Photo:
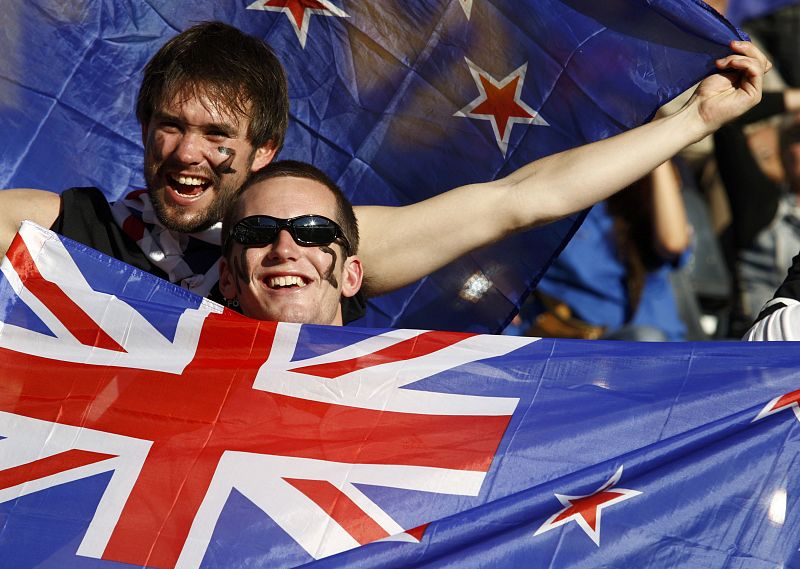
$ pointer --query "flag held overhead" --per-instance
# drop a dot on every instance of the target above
(397, 102)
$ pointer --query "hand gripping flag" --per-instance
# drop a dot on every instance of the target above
(144, 427)
(397, 100)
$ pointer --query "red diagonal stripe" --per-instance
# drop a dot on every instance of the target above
(48, 466)
(194, 417)
(85, 330)
(341, 508)
(422, 345)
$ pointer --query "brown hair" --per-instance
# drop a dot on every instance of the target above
(345, 216)
(238, 72)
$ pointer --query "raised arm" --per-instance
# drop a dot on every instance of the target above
(17, 205)
(670, 225)
(401, 245)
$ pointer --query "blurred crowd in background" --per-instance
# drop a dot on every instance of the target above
(693, 251)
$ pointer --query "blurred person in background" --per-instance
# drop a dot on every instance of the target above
(762, 182)
(778, 33)
(779, 318)
(612, 279)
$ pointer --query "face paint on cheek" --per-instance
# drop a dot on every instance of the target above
(225, 166)
(329, 276)
(239, 270)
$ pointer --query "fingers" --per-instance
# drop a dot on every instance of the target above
(745, 52)
(749, 64)
(752, 68)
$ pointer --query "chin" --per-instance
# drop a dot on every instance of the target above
(292, 315)
(302, 317)
(295, 317)
(181, 219)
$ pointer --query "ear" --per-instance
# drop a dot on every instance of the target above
(227, 283)
(352, 276)
(264, 155)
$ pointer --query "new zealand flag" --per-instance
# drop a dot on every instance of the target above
(145, 427)
(397, 100)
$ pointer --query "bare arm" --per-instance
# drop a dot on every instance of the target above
(401, 245)
(671, 231)
(17, 205)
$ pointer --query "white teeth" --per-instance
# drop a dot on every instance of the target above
(190, 181)
(275, 282)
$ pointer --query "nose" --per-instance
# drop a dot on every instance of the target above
(190, 149)
(284, 247)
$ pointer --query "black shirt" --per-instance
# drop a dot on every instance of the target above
(86, 217)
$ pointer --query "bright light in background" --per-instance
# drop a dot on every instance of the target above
(777, 507)
(476, 286)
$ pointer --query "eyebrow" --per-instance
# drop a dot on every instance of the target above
(230, 130)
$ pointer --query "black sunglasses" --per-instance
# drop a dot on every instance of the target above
(306, 230)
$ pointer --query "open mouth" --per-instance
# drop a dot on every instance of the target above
(285, 282)
(189, 186)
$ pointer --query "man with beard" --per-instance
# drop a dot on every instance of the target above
(213, 109)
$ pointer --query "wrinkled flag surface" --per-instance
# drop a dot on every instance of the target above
(396, 100)
(145, 427)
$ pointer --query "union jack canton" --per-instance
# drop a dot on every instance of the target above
(143, 426)
(207, 403)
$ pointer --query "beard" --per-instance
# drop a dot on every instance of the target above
(175, 217)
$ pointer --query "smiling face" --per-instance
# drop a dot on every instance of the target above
(285, 281)
(191, 181)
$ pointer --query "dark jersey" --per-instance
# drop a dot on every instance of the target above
(86, 217)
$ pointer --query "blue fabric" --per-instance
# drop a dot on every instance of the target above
(690, 449)
(376, 97)
(590, 278)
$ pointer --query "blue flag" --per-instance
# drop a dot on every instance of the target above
(398, 101)
(145, 427)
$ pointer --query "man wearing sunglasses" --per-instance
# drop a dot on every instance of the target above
(213, 109)
(289, 247)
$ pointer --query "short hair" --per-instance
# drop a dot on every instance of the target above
(238, 72)
(345, 215)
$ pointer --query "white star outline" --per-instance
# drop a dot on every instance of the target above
(770, 409)
(302, 29)
(594, 534)
(519, 72)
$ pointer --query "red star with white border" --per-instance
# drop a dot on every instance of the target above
(586, 510)
(299, 12)
(500, 102)
(787, 401)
